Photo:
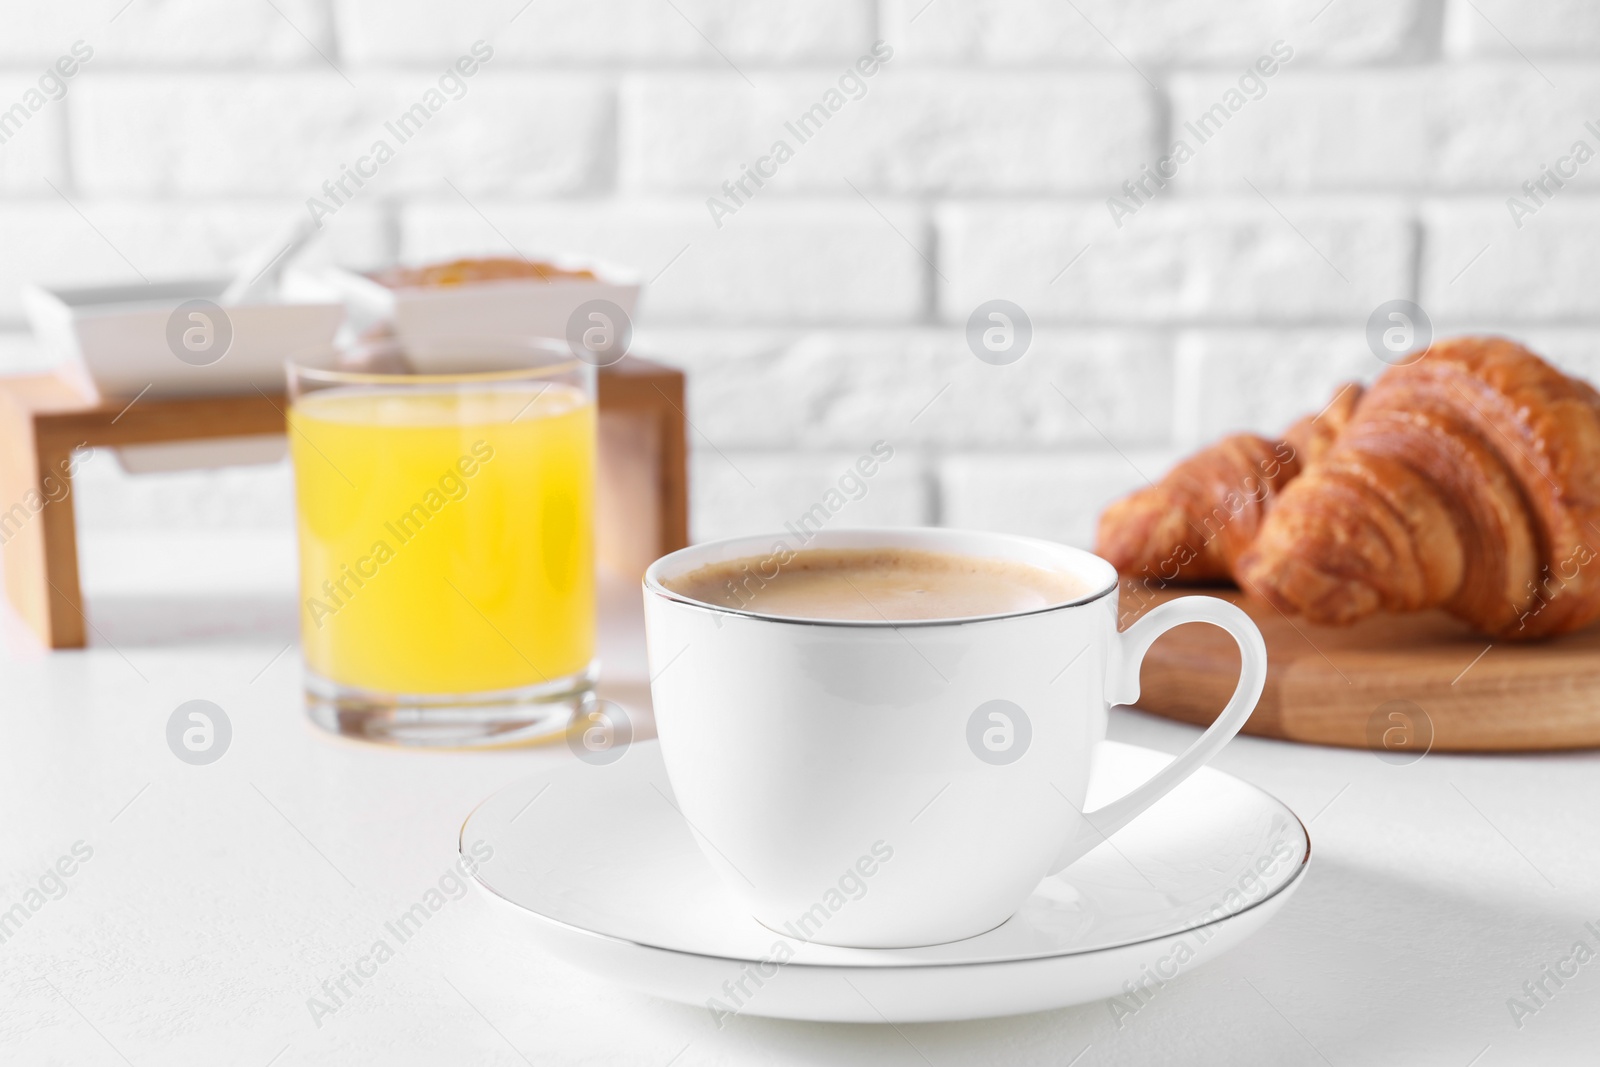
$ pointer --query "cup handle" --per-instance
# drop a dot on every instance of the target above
(1122, 687)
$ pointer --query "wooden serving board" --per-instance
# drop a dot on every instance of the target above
(1398, 684)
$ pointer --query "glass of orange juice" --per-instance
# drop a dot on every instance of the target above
(446, 528)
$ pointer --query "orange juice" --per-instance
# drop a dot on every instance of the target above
(446, 535)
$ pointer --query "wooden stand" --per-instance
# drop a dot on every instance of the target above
(642, 505)
(642, 501)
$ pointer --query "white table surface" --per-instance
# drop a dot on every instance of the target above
(218, 898)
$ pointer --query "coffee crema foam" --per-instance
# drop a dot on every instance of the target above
(878, 585)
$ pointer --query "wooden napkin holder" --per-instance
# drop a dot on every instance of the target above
(642, 497)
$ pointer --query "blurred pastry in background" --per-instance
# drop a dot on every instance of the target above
(466, 271)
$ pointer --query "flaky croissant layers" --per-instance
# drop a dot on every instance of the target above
(1468, 480)
(1195, 523)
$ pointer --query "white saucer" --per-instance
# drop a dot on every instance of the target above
(594, 865)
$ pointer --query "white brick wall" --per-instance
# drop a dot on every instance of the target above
(1503, 27)
(180, 33)
(1158, 33)
(582, 32)
(1226, 258)
(1474, 126)
(829, 311)
(912, 131)
(512, 132)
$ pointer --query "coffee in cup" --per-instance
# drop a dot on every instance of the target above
(890, 583)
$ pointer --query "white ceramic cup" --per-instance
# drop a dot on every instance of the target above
(884, 785)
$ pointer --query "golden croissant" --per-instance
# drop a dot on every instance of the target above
(1194, 524)
(1468, 480)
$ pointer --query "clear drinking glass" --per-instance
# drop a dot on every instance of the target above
(446, 527)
